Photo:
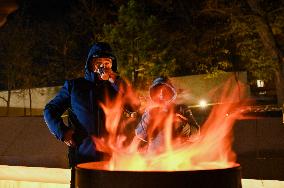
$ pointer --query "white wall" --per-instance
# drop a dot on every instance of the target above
(40, 96)
(191, 90)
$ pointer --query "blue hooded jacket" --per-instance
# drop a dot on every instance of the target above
(81, 97)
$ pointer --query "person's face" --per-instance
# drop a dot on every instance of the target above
(162, 94)
(104, 63)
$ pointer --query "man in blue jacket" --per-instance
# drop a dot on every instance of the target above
(81, 97)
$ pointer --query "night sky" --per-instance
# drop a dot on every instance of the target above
(47, 10)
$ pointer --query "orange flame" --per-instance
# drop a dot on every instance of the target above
(211, 150)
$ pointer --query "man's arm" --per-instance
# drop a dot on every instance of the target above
(195, 128)
(190, 126)
(54, 110)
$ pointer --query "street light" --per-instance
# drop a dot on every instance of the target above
(203, 103)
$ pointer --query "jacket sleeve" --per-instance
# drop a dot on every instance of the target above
(189, 126)
(141, 129)
(54, 110)
(194, 126)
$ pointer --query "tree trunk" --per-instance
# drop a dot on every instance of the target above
(270, 44)
(136, 67)
(8, 103)
(30, 99)
(65, 49)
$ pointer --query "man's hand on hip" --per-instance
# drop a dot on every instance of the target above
(68, 138)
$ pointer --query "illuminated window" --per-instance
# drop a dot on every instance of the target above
(260, 83)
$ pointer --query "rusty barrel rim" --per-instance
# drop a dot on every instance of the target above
(84, 167)
(221, 178)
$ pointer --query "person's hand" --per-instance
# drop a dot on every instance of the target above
(109, 75)
(68, 139)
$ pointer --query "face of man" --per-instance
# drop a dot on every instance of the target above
(102, 66)
(101, 63)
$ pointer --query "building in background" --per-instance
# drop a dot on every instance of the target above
(191, 91)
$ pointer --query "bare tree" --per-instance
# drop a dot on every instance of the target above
(16, 59)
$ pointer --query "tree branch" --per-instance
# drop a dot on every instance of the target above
(213, 10)
(4, 99)
(276, 10)
(255, 7)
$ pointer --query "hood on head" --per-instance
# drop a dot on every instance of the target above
(167, 85)
(99, 50)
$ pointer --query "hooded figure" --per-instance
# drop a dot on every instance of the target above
(151, 128)
(82, 98)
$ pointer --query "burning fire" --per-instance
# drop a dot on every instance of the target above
(212, 149)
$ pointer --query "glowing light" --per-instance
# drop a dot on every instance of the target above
(203, 103)
(260, 83)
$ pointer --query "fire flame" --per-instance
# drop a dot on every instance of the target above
(212, 149)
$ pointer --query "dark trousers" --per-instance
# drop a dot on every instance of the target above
(74, 159)
(72, 181)
(72, 156)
